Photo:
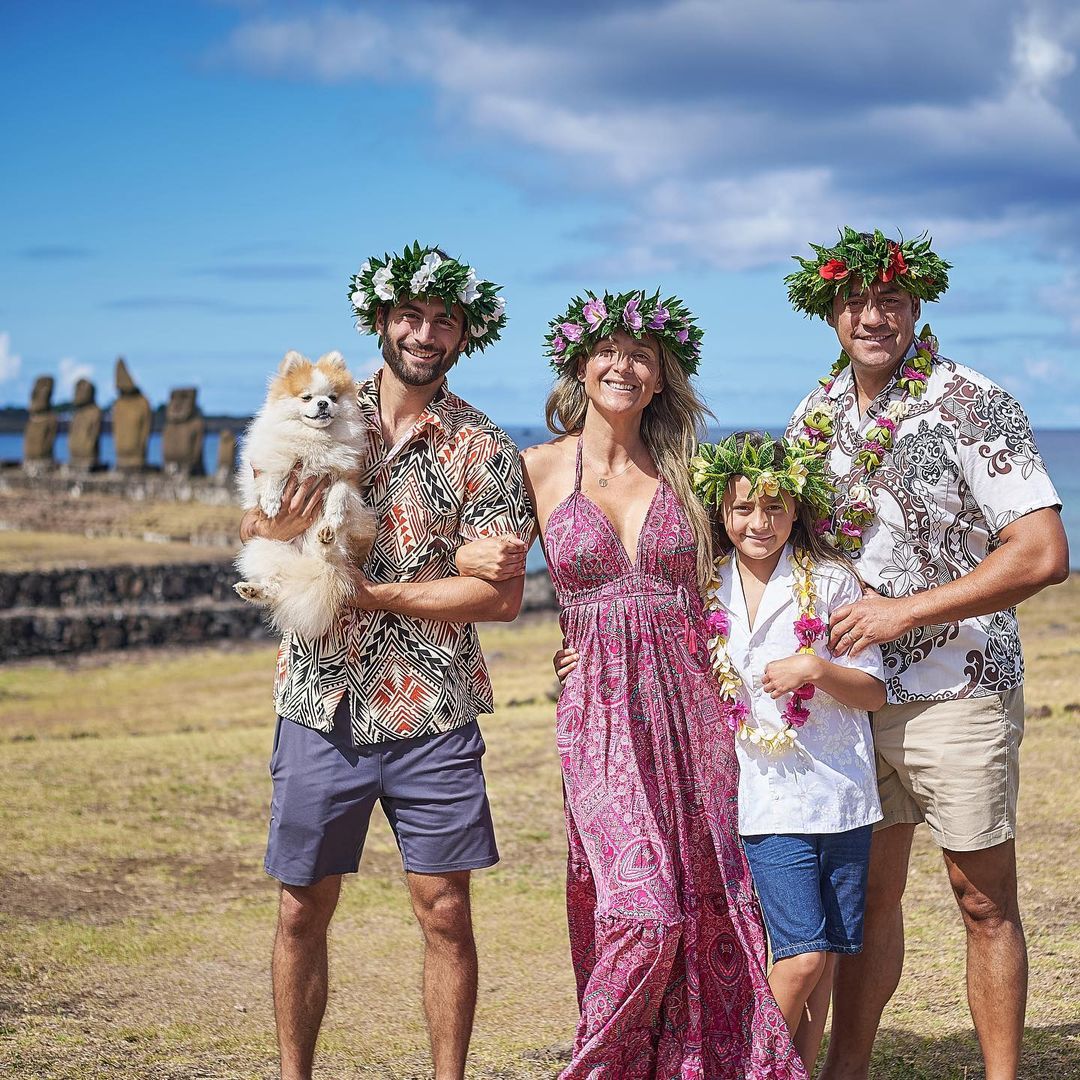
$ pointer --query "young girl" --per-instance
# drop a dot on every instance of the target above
(807, 784)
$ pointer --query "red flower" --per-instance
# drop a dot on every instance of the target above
(897, 265)
(834, 270)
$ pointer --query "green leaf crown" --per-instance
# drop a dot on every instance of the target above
(865, 257)
(593, 318)
(427, 272)
(773, 466)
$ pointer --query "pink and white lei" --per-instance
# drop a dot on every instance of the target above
(807, 629)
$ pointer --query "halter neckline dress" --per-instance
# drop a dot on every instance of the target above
(665, 933)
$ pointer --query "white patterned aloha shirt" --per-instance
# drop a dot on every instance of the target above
(963, 465)
(455, 477)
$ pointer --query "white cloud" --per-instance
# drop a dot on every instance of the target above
(71, 371)
(1042, 370)
(1038, 60)
(10, 363)
(1061, 299)
(727, 136)
(332, 45)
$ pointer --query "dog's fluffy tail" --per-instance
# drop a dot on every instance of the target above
(306, 594)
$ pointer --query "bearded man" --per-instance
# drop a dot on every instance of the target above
(386, 709)
(945, 506)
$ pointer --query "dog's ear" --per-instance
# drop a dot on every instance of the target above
(292, 360)
(333, 359)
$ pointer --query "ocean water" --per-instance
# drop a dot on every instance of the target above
(1060, 450)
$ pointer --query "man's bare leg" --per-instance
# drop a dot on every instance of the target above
(300, 971)
(865, 982)
(441, 904)
(984, 883)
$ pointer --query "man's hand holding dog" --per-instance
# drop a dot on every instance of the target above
(301, 503)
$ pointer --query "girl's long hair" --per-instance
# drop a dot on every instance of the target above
(803, 536)
(671, 426)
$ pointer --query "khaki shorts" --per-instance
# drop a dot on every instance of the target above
(953, 764)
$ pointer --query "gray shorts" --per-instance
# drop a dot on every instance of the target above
(431, 788)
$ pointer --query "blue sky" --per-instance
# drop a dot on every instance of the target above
(190, 184)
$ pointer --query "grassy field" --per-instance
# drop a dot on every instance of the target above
(136, 921)
(32, 550)
(96, 515)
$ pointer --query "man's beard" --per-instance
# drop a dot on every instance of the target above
(399, 364)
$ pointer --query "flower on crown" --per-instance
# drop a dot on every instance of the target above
(590, 319)
(428, 272)
(771, 466)
(865, 258)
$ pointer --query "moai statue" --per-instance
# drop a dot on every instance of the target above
(226, 456)
(182, 442)
(132, 419)
(41, 427)
(84, 434)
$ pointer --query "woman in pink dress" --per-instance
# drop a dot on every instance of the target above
(665, 934)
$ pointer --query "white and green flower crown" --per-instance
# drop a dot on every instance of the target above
(771, 467)
(589, 320)
(426, 271)
(865, 257)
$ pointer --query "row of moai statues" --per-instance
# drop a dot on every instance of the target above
(132, 420)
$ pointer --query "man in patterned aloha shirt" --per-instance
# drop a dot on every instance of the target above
(386, 710)
(951, 520)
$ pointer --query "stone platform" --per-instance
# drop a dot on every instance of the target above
(58, 612)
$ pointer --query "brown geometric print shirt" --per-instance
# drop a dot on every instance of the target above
(455, 477)
(963, 465)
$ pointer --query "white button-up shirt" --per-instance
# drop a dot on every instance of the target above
(827, 783)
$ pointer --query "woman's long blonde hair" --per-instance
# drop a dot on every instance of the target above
(671, 426)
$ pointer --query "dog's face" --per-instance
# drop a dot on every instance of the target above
(314, 394)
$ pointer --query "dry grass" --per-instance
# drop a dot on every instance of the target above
(135, 920)
(32, 550)
(96, 515)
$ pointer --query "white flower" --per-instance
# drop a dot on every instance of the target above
(861, 493)
(381, 283)
(472, 288)
(422, 278)
(896, 411)
(479, 330)
(363, 326)
(359, 300)
(827, 406)
(500, 309)
(364, 267)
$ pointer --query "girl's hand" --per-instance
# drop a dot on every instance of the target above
(564, 661)
(783, 676)
(492, 558)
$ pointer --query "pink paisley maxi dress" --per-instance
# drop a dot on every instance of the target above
(665, 933)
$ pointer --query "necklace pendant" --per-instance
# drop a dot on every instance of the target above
(601, 481)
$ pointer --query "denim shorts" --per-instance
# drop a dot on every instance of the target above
(431, 788)
(812, 888)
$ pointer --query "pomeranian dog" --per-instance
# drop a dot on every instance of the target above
(310, 422)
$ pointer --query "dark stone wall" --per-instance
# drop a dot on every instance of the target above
(103, 585)
(53, 612)
(50, 632)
